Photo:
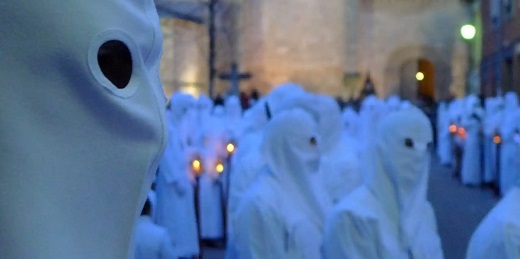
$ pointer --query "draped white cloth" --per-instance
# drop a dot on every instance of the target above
(280, 216)
(78, 152)
(443, 134)
(152, 241)
(498, 235)
(490, 128)
(471, 173)
(509, 162)
(175, 209)
(389, 216)
(211, 183)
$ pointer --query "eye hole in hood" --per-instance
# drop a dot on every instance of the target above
(115, 61)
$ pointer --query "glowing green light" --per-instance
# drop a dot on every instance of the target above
(468, 31)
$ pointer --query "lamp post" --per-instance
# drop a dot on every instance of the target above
(468, 33)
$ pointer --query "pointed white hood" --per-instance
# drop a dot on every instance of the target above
(399, 177)
(291, 151)
(82, 125)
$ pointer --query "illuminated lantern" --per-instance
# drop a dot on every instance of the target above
(453, 129)
(219, 167)
(196, 166)
(230, 147)
(461, 132)
(497, 139)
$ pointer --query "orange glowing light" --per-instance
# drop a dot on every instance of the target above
(461, 132)
(497, 139)
(453, 128)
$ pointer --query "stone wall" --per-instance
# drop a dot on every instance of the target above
(184, 60)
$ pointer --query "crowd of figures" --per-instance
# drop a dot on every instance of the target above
(295, 176)
(481, 144)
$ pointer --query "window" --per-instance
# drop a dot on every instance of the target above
(494, 12)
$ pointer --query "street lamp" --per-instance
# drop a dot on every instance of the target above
(468, 31)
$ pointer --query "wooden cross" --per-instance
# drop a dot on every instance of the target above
(234, 77)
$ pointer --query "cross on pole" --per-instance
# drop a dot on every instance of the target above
(234, 77)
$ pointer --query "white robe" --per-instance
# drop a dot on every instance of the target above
(509, 162)
(280, 216)
(490, 128)
(77, 152)
(175, 210)
(471, 171)
(212, 184)
(389, 216)
(339, 164)
(498, 235)
(152, 241)
(443, 135)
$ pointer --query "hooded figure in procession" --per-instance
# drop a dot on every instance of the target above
(492, 138)
(175, 198)
(82, 125)
(443, 134)
(245, 164)
(389, 216)
(509, 167)
(339, 169)
(280, 215)
(471, 171)
(211, 182)
(498, 235)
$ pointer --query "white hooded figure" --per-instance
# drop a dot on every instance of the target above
(389, 216)
(498, 235)
(509, 168)
(351, 127)
(211, 182)
(233, 116)
(443, 134)
(280, 215)
(175, 209)
(471, 172)
(491, 138)
(246, 161)
(82, 125)
(455, 115)
(339, 169)
(152, 241)
(279, 96)
(370, 114)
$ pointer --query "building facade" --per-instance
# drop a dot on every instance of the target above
(329, 47)
(500, 69)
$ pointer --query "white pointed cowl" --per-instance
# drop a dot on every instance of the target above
(498, 235)
(280, 216)
(79, 140)
(389, 216)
